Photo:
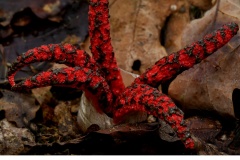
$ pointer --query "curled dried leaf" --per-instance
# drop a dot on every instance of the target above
(19, 108)
(14, 140)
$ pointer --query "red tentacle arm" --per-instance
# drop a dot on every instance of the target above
(60, 53)
(141, 97)
(169, 66)
(71, 56)
(88, 80)
(101, 47)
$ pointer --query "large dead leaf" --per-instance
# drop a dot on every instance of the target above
(210, 84)
(174, 26)
(203, 4)
(14, 140)
(19, 108)
(136, 26)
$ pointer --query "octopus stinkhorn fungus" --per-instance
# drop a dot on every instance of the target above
(99, 76)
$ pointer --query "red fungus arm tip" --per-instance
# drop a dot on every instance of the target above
(169, 66)
(88, 80)
(60, 53)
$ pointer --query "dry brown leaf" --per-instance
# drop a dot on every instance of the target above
(19, 108)
(14, 140)
(210, 84)
(129, 130)
(42, 95)
(205, 131)
(203, 4)
(204, 148)
(166, 132)
(135, 27)
(204, 128)
(174, 27)
(67, 124)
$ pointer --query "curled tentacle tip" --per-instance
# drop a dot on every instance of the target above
(11, 80)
